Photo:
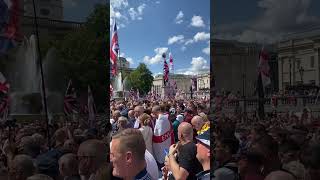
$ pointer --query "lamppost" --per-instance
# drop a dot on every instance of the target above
(301, 70)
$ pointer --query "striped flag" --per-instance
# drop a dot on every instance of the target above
(71, 105)
(9, 23)
(264, 67)
(165, 70)
(91, 108)
(114, 49)
(4, 97)
(171, 62)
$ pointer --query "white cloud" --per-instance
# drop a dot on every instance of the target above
(156, 74)
(189, 41)
(120, 10)
(198, 65)
(137, 14)
(179, 17)
(277, 18)
(140, 8)
(197, 21)
(157, 58)
(118, 4)
(201, 36)
(133, 14)
(206, 50)
(130, 60)
(176, 39)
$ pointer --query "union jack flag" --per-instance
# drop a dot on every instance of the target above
(114, 49)
(165, 70)
(9, 24)
(71, 105)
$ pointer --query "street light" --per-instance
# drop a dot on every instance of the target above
(301, 70)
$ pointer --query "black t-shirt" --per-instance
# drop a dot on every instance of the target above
(187, 159)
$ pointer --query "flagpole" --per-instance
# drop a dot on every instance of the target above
(42, 76)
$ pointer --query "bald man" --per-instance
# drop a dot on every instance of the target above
(92, 155)
(68, 167)
(22, 167)
(185, 165)
(279, 175)
(199, 125)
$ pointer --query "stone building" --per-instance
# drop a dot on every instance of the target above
(299, 59)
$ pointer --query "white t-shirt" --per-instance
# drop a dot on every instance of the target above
(152, 167)
(147, 134)
(136, 124)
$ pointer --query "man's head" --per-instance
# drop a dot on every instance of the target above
(68, 165)
(185, 132)
(127, 151)
(203, 149)
(115, 115)
(225, 148)
(197, 122)
(28, 146)
(138, 110)
(91, 154)
(155, 111)
(70, 146)
(131, 114)
(122, 122)
(22, 167)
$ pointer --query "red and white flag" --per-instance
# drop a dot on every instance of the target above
(91, 108)
(264, 67)
(171, 62)
(4, 85)
(4, 97)
(114, 49)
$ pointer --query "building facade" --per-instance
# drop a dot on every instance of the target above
(235, 66)
(183, 85)
(298, 59)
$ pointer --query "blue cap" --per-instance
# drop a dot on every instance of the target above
(204, 137)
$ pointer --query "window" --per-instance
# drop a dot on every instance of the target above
(44, 12)
(312, 61)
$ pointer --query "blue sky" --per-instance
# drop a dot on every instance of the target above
(147, 28)
(263, 20)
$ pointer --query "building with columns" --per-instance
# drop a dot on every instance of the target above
(298, 59)
(184, 84)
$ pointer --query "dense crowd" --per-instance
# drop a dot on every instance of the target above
(282, 146)
(141, 140)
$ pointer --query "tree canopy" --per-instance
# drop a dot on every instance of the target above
(141, 79)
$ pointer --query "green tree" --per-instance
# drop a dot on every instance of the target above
(83, 54)
(141, 78)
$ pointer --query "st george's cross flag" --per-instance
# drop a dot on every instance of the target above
(171, 62)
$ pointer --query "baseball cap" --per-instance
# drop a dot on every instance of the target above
(180, 118)
(204, 137)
